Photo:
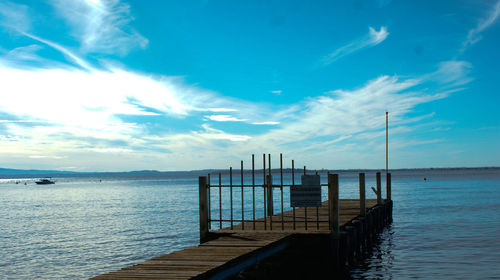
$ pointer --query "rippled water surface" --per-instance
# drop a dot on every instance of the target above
(444, 228)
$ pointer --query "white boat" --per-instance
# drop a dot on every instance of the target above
(45, 181)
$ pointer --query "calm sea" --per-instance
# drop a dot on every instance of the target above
(446, 227)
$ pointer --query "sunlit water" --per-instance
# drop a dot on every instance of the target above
(444, 228)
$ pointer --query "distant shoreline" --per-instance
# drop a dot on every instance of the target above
(9, 173)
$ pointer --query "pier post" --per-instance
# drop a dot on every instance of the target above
(358, 241)
(202, 180)
(333, 213)
(379, 189)
(388, 186)
(362, 195)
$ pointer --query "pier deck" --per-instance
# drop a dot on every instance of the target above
(233, 250)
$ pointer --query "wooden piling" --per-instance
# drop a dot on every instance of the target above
(333, 209)
(362, 195)
(202, 182)
(379, 189)
(333, 213)
(388, 186)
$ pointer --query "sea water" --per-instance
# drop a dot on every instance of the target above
(445, 227)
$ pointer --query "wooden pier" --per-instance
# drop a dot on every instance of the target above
(336, 233)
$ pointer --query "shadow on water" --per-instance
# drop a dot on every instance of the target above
(307, 258)
(377, 262)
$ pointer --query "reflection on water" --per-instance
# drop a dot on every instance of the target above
(377, 262)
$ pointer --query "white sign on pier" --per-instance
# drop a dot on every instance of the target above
(308, 194)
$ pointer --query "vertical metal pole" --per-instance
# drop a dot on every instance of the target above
(231, 192)
(202, 182)
(328, 200)
(220, 201)
(293, 184)
(317, 208)
(265, 189)
(362, 195)
(270, 207)
(379, 189)
(242, 201)
(281, 189)
(253, 190)
(305, 208)
(209, 204)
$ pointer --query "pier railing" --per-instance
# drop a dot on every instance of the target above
(248, 211)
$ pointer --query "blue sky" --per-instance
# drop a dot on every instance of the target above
(91, 85)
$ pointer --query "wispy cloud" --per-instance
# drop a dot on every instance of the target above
(474, 34)
(373, 38)
(277, 92)
(451, 73)
(101, 25)
(80, 62)
(14, 16)
(266, 123)
(224, 118)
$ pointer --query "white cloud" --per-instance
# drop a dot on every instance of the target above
(27, 53)
(216, 110)
(224, 118)
(45, 156)
(265, 123)
(451, 73)
(376, 37)
(19, 121)
(373, 38)
(110, 150)
(474, 34)
(14, 16)
(101, 25)
(80, 62)
(277, 92)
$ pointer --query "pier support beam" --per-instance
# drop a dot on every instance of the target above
(202, 180)
(333, 212)
(362, 195)
(379, 189)
(388, 186)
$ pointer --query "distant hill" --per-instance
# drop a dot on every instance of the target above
(8, 171)
(33, 173)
